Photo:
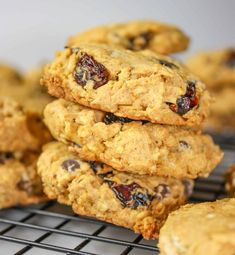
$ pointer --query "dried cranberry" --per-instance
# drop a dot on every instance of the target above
(70, 165)
(88, 69)
(110, 118)
(161, 191)
(230, 59)
(139, 42)
(167, 63)
(130, 195)
(186, 102)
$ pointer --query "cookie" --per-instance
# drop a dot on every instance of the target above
(215, 68)
(93, 189)
(136, 35)
(20, 130)
(230, 180)
(9, 75)
(199, 229)
(136, 85)
(134, 146)
(19, 182)
(36, 96)
(27, 90)
(222, 115)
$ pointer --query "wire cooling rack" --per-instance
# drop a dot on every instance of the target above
(51, 228)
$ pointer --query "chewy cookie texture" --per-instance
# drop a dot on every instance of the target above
(136, 85)
(133, 146)
(19, 183)
(95, 189)
(22, 133)
(199, 229)
(136, 35)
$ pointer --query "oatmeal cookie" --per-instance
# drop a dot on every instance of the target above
(199, 229)
(134, 146)
(19, 182)
(93, 189)
(140, 86)
(20, 130)
(136, 35)
(215, 68)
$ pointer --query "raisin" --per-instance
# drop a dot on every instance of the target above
(88, 69)
(140, 41)
(186, 102)
(161, 191)
(230, 59)
(5, 156)
(110, 118)
(70, 165)
(130, 195)
(184, 145)
(25, 185)
(167, 64)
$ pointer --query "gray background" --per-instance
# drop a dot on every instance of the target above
(32, 30)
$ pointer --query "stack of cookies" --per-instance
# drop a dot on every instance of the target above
(127, 125)
(217, 70)
(22, 133)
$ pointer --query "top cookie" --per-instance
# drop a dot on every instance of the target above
(199, 229)
(137, 85)
(215, 68)
(136, 35)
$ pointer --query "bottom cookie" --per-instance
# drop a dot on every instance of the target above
(200, 229)
(230, 180)
(19, 182)
(141, 203)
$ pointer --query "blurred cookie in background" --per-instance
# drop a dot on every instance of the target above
(217, 70)
(25, 89)
(135, 35)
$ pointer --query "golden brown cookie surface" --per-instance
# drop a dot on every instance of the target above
(134, 146)
(97, 190)
(199, 229)
(19, 182)
(136, 35)
(140, 86)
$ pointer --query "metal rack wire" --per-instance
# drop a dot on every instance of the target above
(53, 229)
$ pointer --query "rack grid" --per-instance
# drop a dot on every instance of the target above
(50, 228)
